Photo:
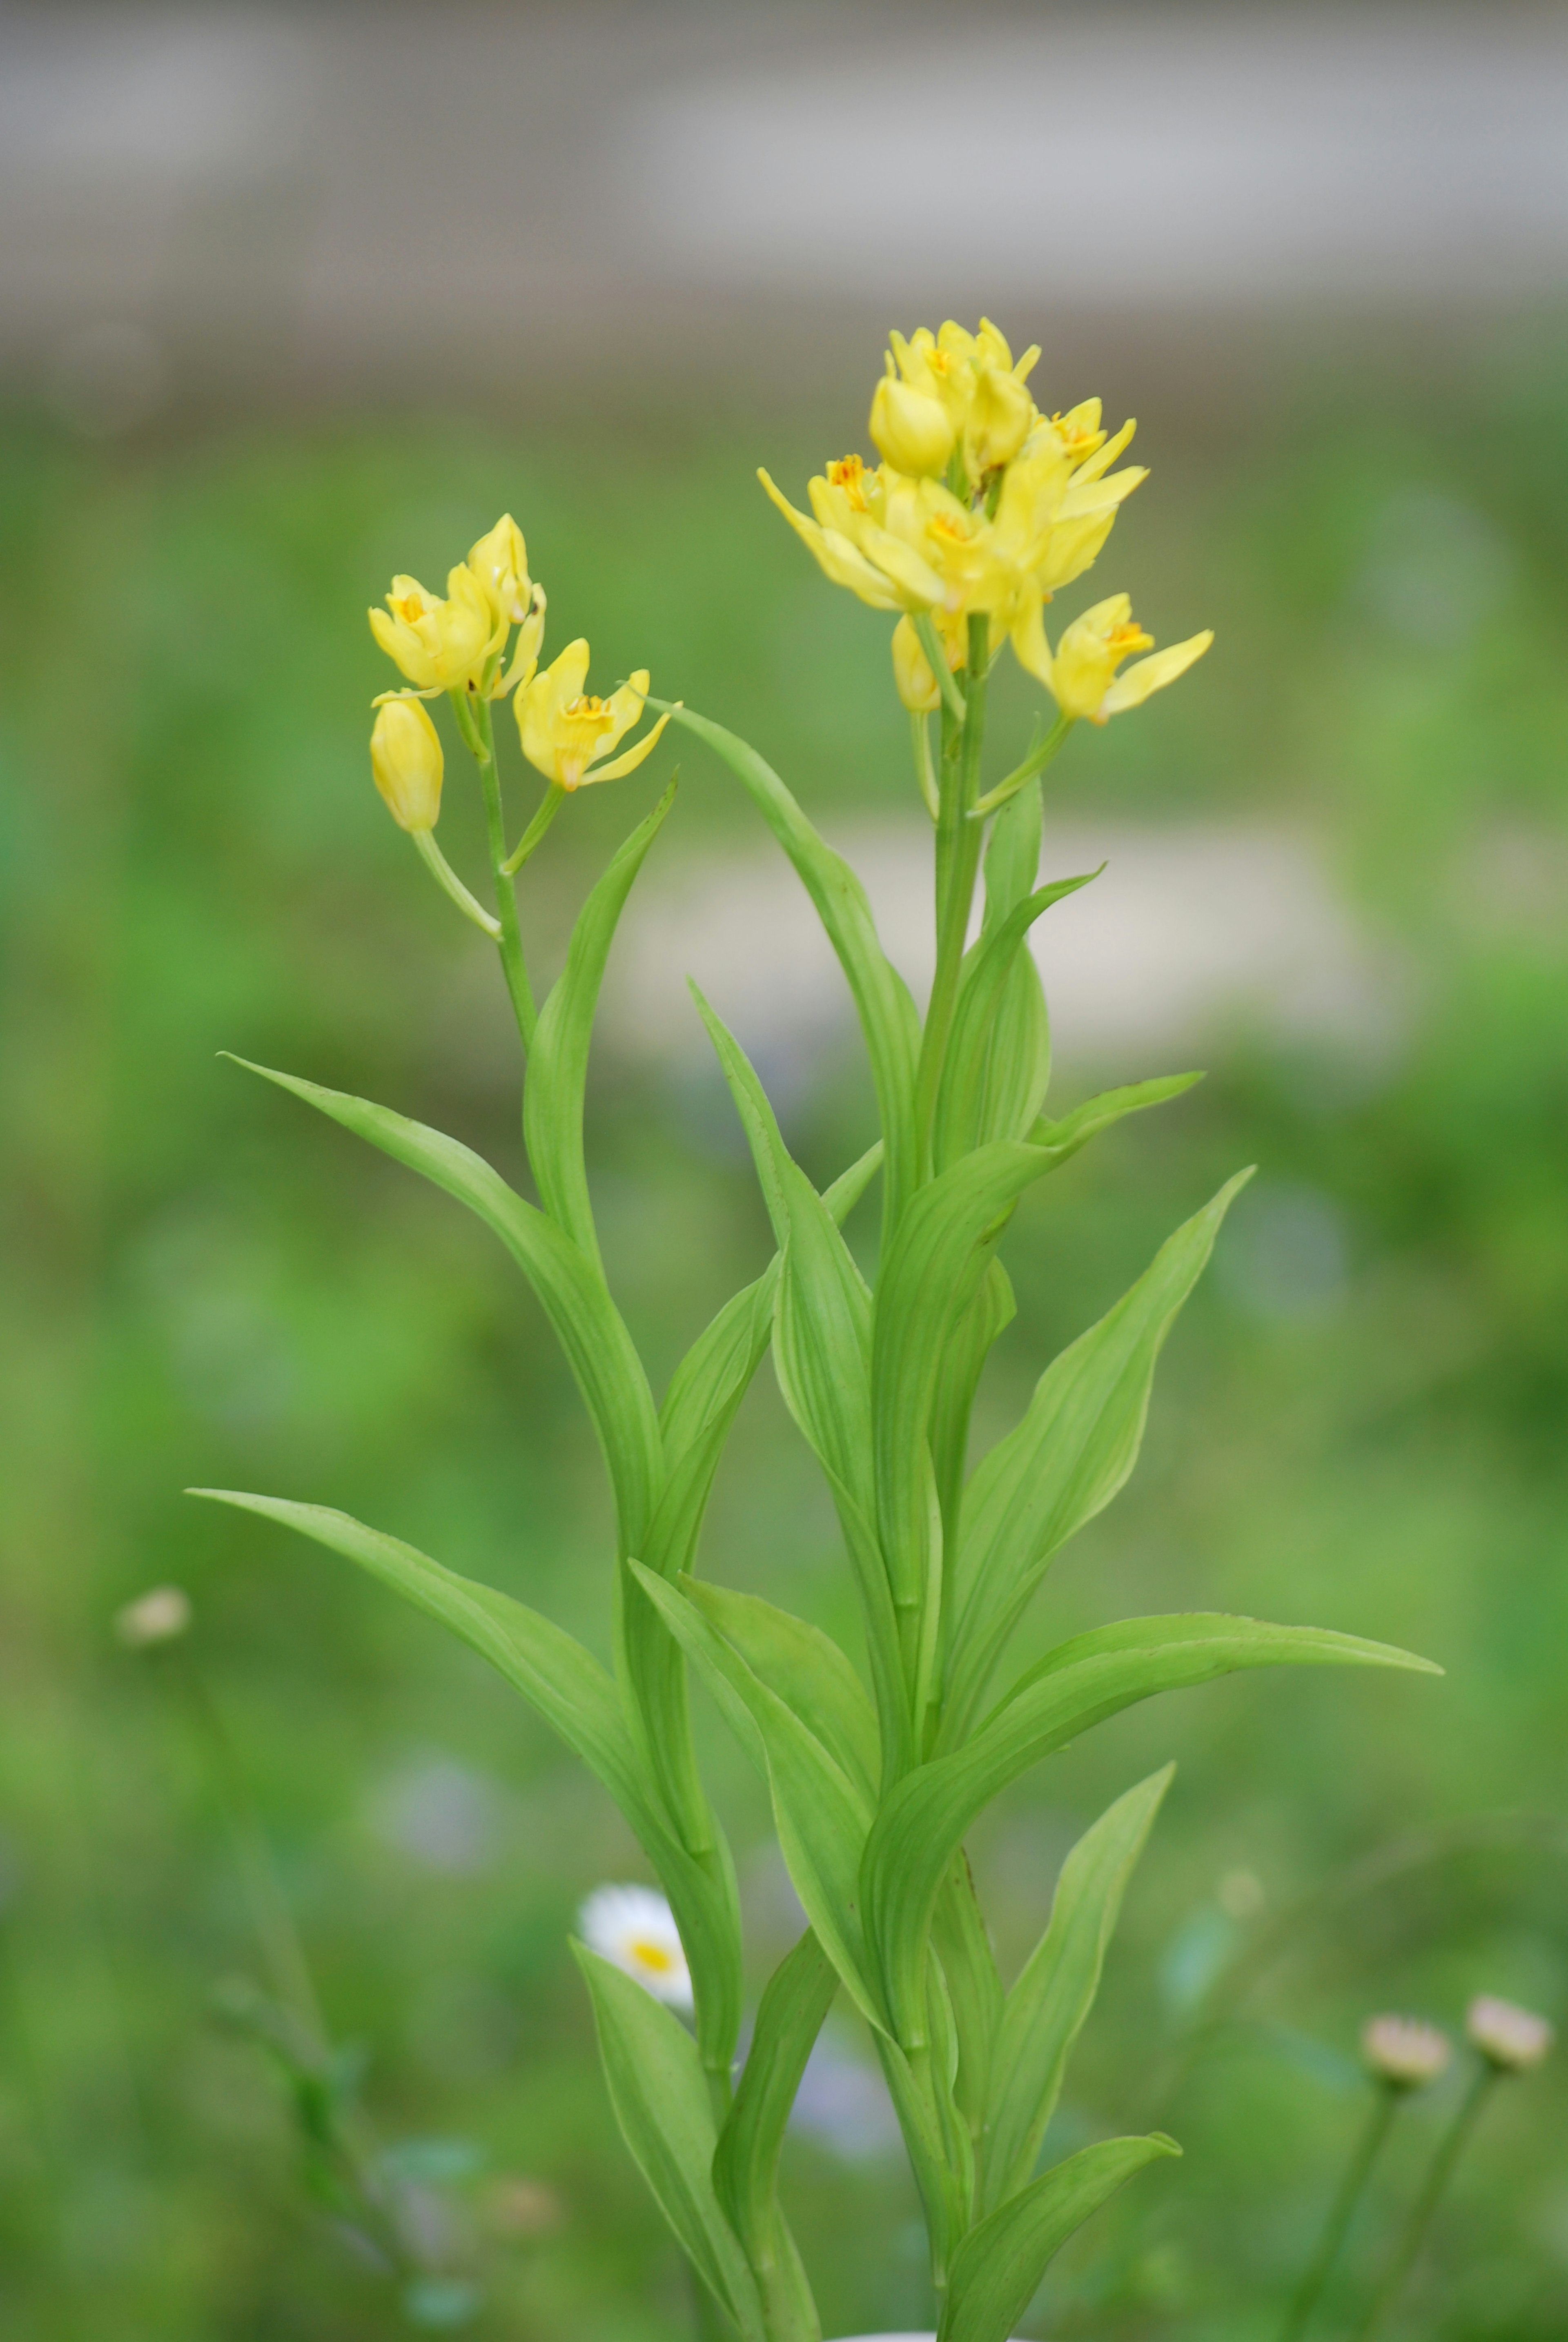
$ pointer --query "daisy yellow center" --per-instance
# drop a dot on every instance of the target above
(651, 1956)
(849, 474)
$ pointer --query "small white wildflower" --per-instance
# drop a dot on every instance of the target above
(633, 1928)
(1404, 2052)
(157, 1616)
(1513, 2039)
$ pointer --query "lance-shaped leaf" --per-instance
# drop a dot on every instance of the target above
(989, 1314)
(709, 1385)
(573, 1292)
(660, 2095)
(1097, 1114)
(821, 1815)
(998, 1064)
(1046, 2008)
(927, 1280)
(821, 1329)
(578, 1700)
(794, 2002)
(888, 1018)
(806, 1669)
(1064, 1462)
(999, 2265)
(558, 1060)
(922, 1824)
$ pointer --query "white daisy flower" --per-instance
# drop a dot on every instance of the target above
(633, 1927)
(1509, 2037)
(158, 1616)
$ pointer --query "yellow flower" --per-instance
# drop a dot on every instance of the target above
(500, 563)
(1081, 674)
(440, 645)
(911, 429)
(917, 685)
(405, 758)
(565, 731)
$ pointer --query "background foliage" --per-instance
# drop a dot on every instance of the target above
(1359, 1421)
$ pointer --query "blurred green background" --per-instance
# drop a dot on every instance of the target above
(1359, 1421)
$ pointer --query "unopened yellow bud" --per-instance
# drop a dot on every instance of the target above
(999, 421)
(912, 431)
(917, 685)
(406, 760)
(500, 562)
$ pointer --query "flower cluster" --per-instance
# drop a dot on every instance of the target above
(459, 645)
(983, 507)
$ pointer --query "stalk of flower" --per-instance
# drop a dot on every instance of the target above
(981, 507)
(1509, 2041)
(1401, 2055)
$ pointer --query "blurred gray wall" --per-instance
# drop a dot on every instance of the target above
(377, 203)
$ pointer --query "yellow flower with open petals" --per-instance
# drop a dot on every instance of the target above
(440, 645)
(1082, 673)
(565, 731)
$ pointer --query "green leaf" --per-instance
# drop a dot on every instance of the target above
(922, 1824)
(579, 1701)
(998, 1064)
(888, 1016)
(988, 1314)
(806, 1669)
(1097, 1114)
(794, 2002)
(822, 1330)
(1046, 2008)
(1063, 1463)
(565, 1683)
(821, 1815)
(558, 1060)
(927, 1280)
(709, 1385)
(998, 2268)
(963, 1945)
(660, 2095)
(588, 1326)
(1013, 857)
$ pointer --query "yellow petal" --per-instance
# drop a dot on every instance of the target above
(1132, 687)
(633, 758)
(1029, 644)
(1103, 458)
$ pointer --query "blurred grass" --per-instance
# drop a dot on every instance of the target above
(203, 1285)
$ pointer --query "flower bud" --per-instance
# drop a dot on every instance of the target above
(998, 422)
(159, 1616)
(913, 432)
(917, 687)
(1403, 2051)
(1512, 2039)
(406, 760)
(500, 563)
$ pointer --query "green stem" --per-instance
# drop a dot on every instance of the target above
(1439, 2172)
(287, 1967)
(451, 885)
(958, 842)
(1021, 775)
(1342, 2212)
(473, 721)
(920, 743)
(550, 804)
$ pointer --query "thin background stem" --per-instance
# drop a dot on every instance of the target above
(474, 722)
(1342, 2212)
(1439, 2172)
